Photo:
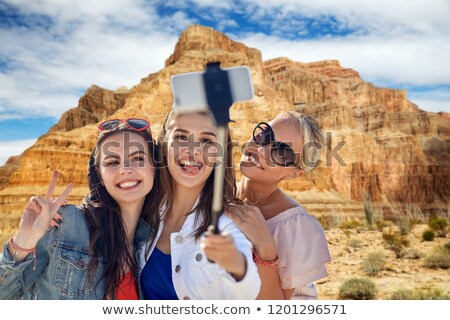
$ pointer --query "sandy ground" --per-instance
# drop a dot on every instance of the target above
(404, 273)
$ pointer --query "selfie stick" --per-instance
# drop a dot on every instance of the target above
(220, 99)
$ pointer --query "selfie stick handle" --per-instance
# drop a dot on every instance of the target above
(219, 177)
(219, 97)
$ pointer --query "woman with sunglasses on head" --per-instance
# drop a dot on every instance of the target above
(184, 260)
(88, 252)
(290, 248)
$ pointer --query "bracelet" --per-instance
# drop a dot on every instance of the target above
(261, 262)
(15, 249)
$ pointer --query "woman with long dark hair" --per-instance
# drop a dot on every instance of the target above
(185, 260)
(89, 251)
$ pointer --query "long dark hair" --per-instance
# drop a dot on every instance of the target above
(108, 239)
(204, 205)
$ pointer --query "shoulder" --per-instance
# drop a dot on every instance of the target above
(70, 211)
(297, 213)
(73, 227)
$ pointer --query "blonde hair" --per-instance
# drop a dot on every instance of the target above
(313, 139)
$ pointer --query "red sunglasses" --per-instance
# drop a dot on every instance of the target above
(133, 123)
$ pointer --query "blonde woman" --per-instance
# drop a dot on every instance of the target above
(290, 248)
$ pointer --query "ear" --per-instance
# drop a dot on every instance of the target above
(296, 173)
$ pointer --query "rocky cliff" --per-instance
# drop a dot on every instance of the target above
(389, 150)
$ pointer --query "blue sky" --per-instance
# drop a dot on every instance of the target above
(51, 51)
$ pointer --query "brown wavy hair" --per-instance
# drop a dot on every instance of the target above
(108, 240)
(203, 208)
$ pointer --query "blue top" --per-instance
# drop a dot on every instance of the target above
(156, 277)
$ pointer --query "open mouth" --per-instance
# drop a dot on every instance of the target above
(251, 158)
(190, 166)
(128, 184)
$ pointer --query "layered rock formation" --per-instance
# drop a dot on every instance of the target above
(391, 151)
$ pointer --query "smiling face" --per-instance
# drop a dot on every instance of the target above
(191, 150)
(256, 162)
(126, 168)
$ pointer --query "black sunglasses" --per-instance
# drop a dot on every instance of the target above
(280, 153)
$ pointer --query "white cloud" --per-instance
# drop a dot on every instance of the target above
(13, 148)
(117, 42)
(111, 44)
(404, 61)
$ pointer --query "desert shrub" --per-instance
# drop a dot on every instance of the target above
(412, 253)
(395, 242)
(381, 224)
(419, 294)
(402, 294)
(328, 221)
(440, 225)
(428, 235)
(354, 243)
(430, 294)
(404, 225)
(440, 258)
(368, 211)
(447, 247)
(373, 263)
(351, 224)
(358, 289)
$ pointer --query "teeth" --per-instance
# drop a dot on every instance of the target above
(253, 160)
(191, 163)
(128, 184)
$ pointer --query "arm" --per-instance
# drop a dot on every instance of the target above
(16, 259)
(245, 282)
(251, 222)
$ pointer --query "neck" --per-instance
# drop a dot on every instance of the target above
(183, 202)
(130, 215)
(257, 193)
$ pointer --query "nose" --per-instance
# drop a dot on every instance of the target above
(262, 150)
(194, 147)
(125, 168)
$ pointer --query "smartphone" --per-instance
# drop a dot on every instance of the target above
(189, 91)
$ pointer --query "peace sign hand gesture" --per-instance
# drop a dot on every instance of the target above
(39, 214)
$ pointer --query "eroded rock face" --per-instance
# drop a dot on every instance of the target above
(391, 150)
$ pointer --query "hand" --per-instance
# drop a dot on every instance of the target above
(221, 250)
(252, 223)
(39, 214)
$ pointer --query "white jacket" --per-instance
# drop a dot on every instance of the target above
(194, 277)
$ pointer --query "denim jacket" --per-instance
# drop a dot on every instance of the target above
(61, 263)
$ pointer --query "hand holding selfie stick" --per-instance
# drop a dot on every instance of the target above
(215, 90)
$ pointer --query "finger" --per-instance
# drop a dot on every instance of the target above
(216, 241)
(41, 202)
(57, 217)
(54, 199)
(54, 224)
(59, 201)
(31, 205)
(51, 187)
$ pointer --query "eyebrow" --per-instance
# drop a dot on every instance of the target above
(188, 132)
(115, 156)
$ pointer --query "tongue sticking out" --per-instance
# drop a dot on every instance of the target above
(191, 169)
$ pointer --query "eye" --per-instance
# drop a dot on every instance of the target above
(113, 163)
(206, 141)
(138, 159)
(180, 137)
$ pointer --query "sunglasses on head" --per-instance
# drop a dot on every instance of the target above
(133, 123)
(280, 153)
